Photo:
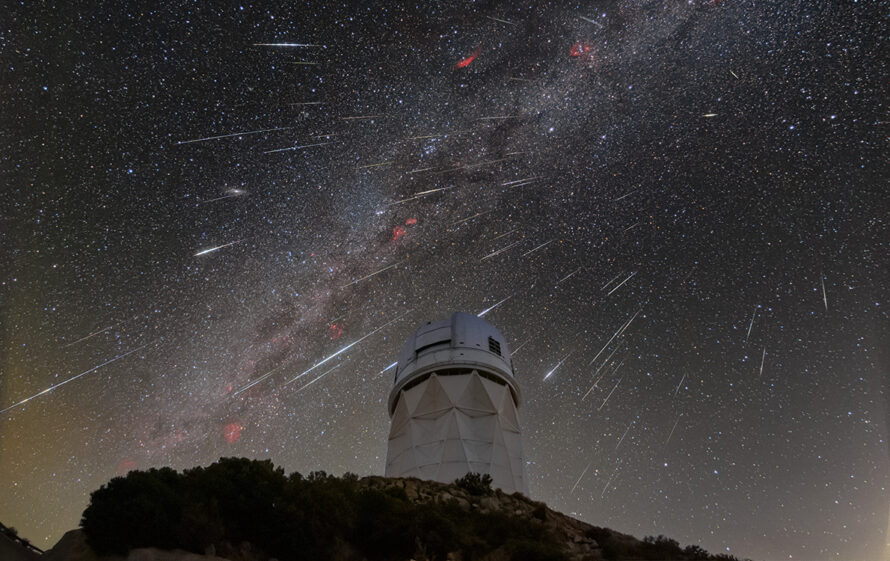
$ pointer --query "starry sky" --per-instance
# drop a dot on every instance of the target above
(221, 220)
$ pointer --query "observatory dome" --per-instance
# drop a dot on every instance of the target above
(454, 405)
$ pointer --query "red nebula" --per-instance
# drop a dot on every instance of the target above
(466, 62)
(398, 232)
(580, 48)
(127, 465)
(229, 388)
(232, 432)
(335, 330)
(411, 222)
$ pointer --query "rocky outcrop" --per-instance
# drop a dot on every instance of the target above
(576, 535)
(580, 541)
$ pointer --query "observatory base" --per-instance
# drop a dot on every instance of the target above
(454, 423)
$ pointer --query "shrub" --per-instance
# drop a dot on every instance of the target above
(140, 510)
(475, 484)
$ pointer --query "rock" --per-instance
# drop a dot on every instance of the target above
(489, 503)
(581, 541)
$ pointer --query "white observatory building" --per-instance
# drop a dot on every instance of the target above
(454, 406)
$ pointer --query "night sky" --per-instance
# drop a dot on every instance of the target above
(220, 223)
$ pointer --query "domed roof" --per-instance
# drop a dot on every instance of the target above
(461, 341)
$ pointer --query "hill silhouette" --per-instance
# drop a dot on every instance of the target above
(250, 510)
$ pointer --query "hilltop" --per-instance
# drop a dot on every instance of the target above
(248, 510)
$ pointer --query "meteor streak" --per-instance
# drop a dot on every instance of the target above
(71, 379)
(824, 295)
(372, 274)
(630, 321)
(622, 283)
(750, 325)
(610, 393)
(390, 367)
(217, 248)
(617, 465)
(418, 195)
(570, 275)
(284, 45)
(437, 135)
(231, 193)
(376, 165)
(624, 195)
(504, 234)
(676, 391)
(605, 362)
(344, 349)
(672, 430)
(462, 220)
(418, 170)
(611, 281)
(319, 377)
(501, 250)
(258, 380)
(486, 310)
(579, 478)
(361, 117)
(524, 179)
(620, 440)
(529, 252)
(558, 364)
(762, 359)
(244, 133)
(588, 20)
(617, 333)
(297, 147)
(87, 337)
(516, 350)
(595, 385)
(526, 182)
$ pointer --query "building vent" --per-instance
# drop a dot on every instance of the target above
(494, 346)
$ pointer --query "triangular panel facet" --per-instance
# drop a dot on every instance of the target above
(434, 400)
(475, 401)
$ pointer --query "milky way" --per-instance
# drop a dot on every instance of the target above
(219, 225)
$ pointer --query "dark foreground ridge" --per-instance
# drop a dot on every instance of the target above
(249, 510)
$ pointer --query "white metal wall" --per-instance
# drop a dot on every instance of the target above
(450, 425)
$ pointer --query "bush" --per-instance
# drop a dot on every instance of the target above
(140, 510)
(475, 484)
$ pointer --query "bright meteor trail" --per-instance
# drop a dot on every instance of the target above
(486, 310)
(344, 349)
(230, 135)
(71, 379)
(371, 275)
(555, 169)
(558, 364)
(217, 248)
